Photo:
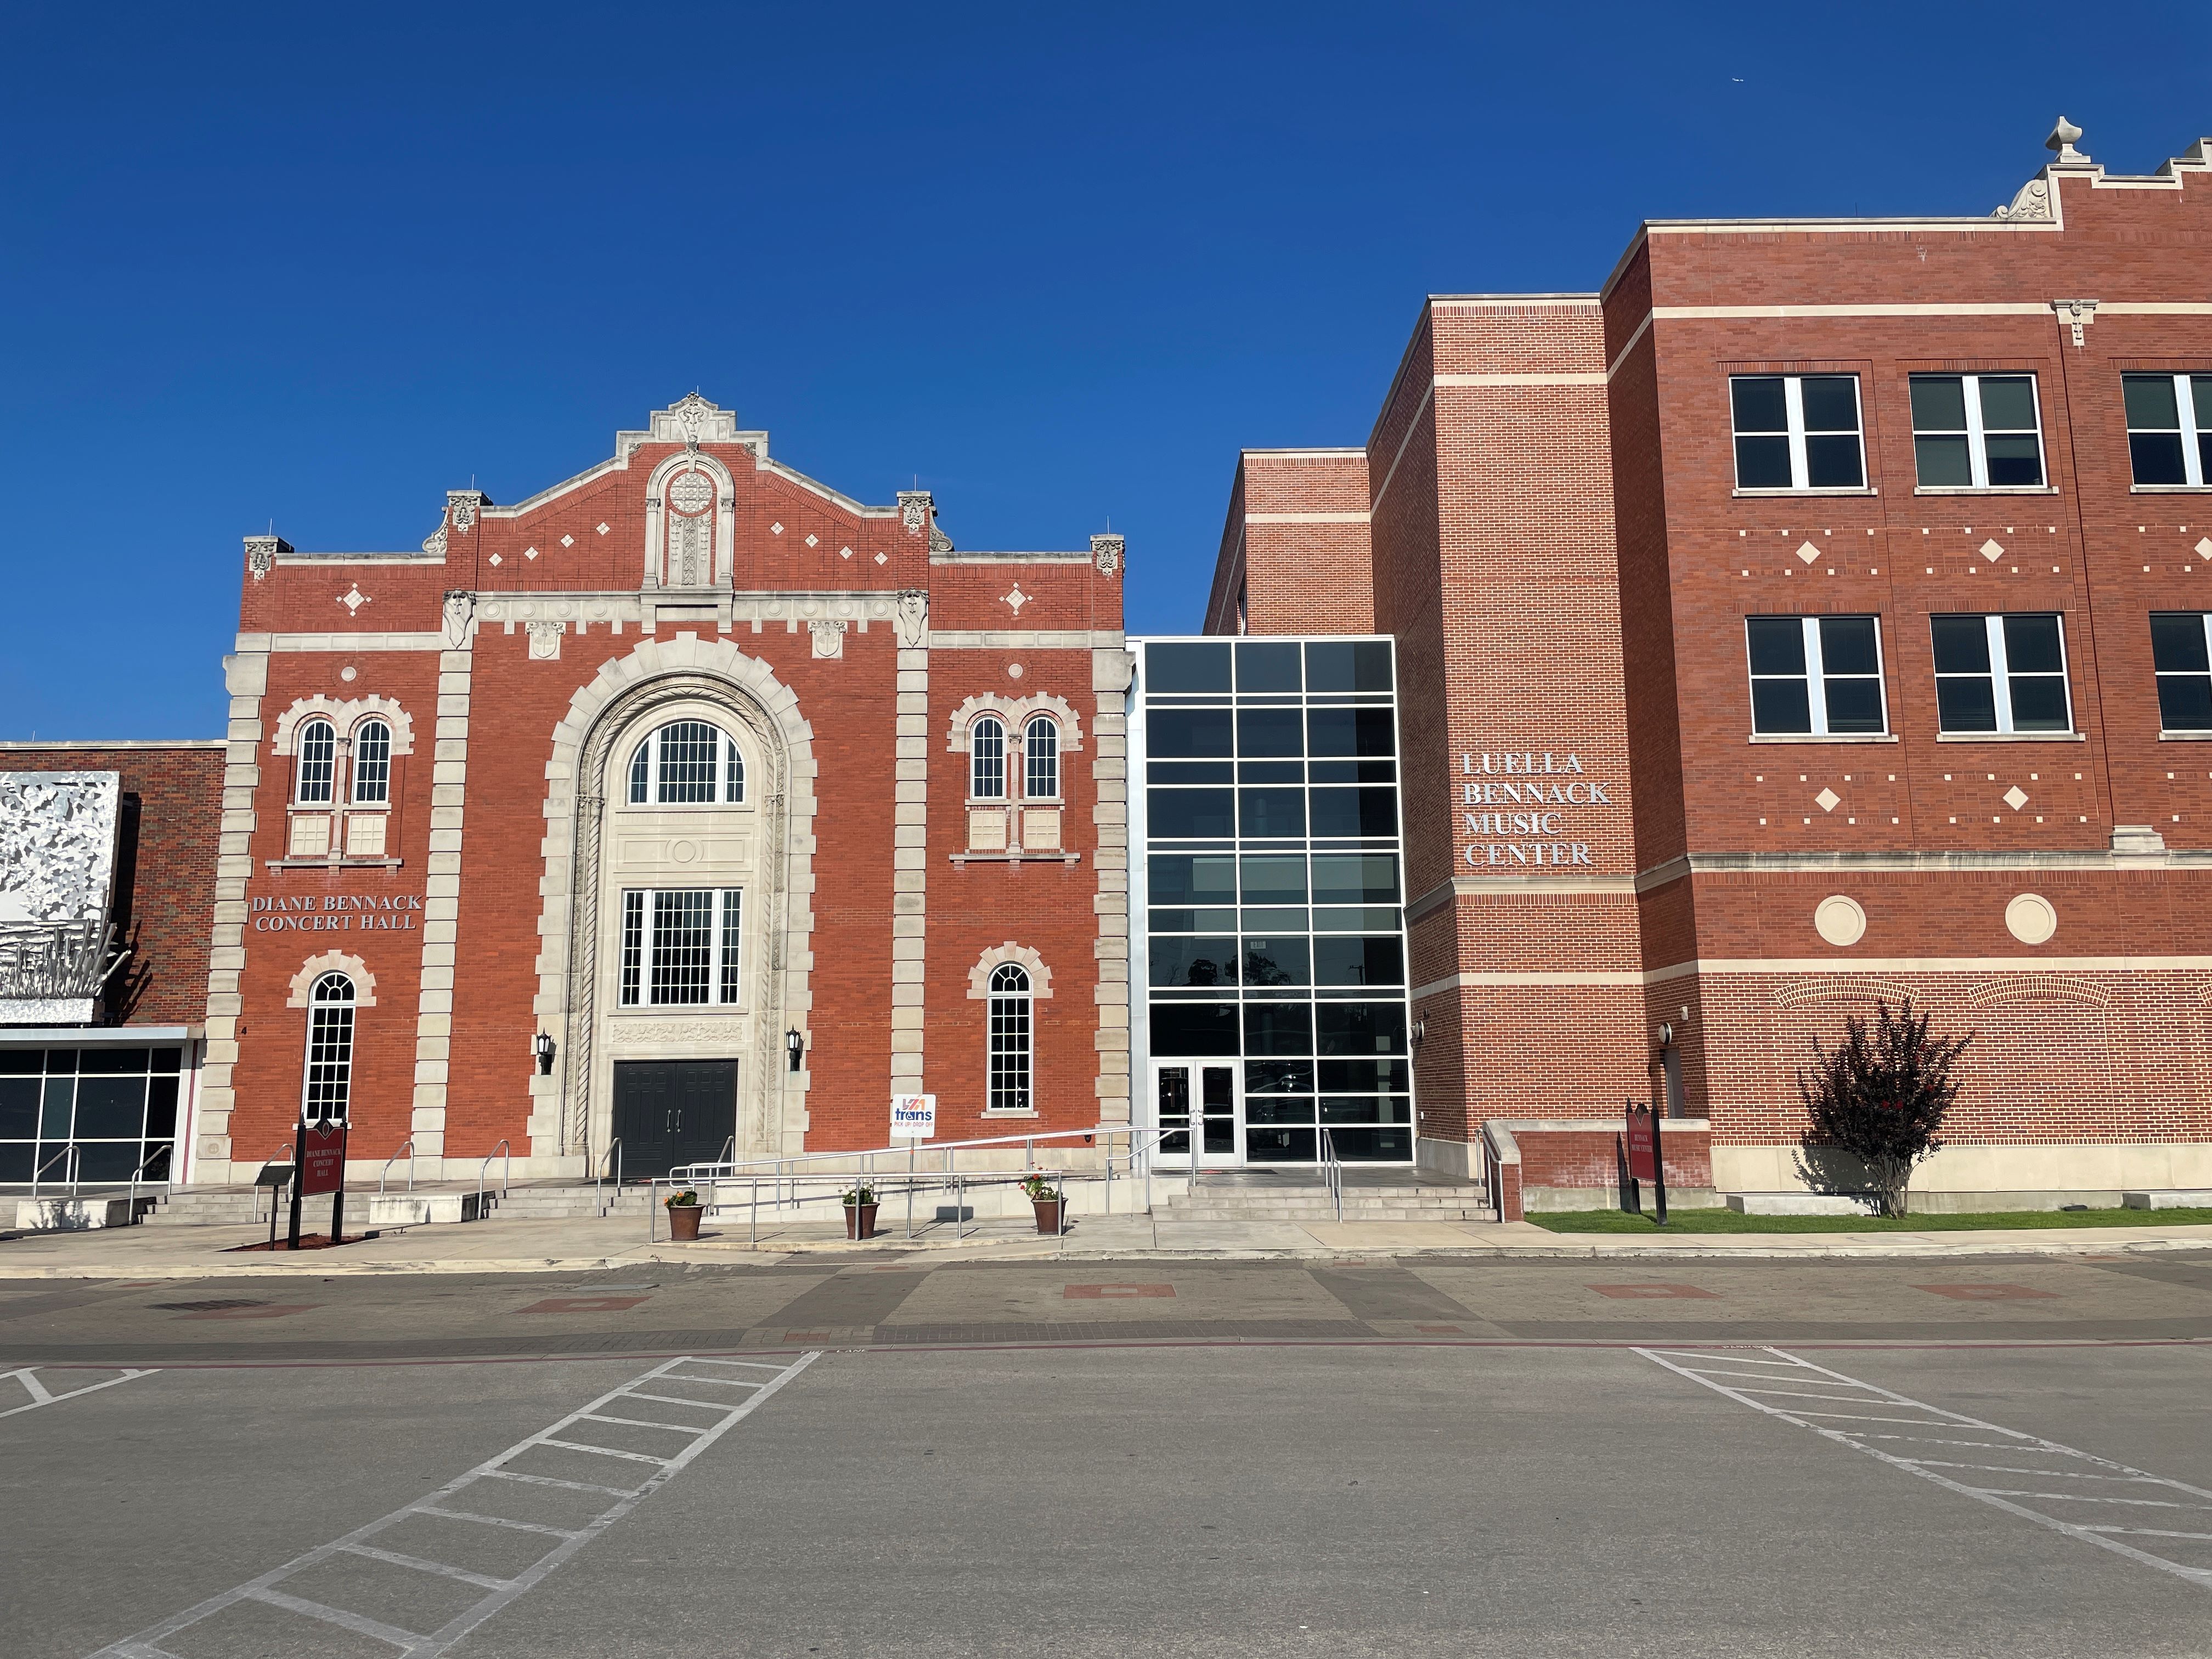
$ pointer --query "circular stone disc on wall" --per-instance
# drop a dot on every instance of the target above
(1839, 919)
(2031, 918)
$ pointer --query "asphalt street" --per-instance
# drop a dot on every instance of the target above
(1155, 1457)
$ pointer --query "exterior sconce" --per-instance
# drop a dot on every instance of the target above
(542, 1047)
(795, 1046)
(1666, 1035)
(1420, 1031)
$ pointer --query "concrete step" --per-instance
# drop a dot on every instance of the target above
(568, 1203)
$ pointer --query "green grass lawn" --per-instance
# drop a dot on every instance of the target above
(1727, 1221)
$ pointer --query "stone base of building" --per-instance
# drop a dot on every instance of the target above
(1965, 1179)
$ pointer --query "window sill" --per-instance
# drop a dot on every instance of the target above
(333, 864)
(1823, 737)
(2184, 737)
(1794, 494)
(1016, 858)
(1000, 1117)
(1985, 489)
(2170, 489)
(2011, 736)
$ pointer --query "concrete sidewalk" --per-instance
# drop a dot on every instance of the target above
(586, 1244)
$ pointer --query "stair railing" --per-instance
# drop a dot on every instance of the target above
(1332, 1172)
(408, 1147)
(168, 1149)
(506, 1173)
(598, 1180)
(67, 1158)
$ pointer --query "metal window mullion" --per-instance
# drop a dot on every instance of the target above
(649, 943)
(1793, 399)
(1978, 438)
(1881, 676)
(2000, 670)
(2066, 672)
(1816, 679)
(2185, 405)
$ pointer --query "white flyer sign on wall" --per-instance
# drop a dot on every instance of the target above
(914, 1117)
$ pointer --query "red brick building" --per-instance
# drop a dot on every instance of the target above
(689, 802)
(1815, 614)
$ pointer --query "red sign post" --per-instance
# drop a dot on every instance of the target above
(1643, 1158)
(321, 1165)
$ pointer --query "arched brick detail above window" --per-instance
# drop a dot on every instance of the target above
(1016, 712)
(979, 976)
(333, 962)
(346, 716)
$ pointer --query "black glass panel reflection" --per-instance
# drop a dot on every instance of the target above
(1373, 1146)
(1355, 814)
(1201, 963)
(21, 1062)
(1269, 731)
(161, 1106)
(17, 1159)
(1275, 879)
(19, 1107)
(1197, 666)
(1270, 1145)
(1278, 1109)
(1278, 1028)
(54, 1121)
(1351, 732)
(111, 1108)
(1339, 960)
(1195, 879)
(1366, 1076)
(110, 1061)
(1193, 1027)
(1360, 1028)
(1279, 1077)
(1354, 878)
(2178, 644)
(1191, 814)
(1186, 733)
(1352, 771)
(1347, 665)
(1276, 962)
(1267, 665)
(1272, 814)
(1215, 771)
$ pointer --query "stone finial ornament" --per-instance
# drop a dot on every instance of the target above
(261, 553)
(2061, 142)
(914, 507)
(1107, 553)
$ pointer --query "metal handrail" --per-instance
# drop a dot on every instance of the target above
(598, 1179)
(506, 1173)
(68, 1154)
(408, 1147)
(1332, 1171)
(168, 1149)
(781, 1166)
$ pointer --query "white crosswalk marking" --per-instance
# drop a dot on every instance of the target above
(498, 1592)
(42, 1395)
(1709, 1369)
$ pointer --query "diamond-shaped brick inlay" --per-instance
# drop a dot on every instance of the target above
(814, 540)
(567, 541)
(495, 559)
(2204, 546)
(844, 552)
(2015, 798)
(1991, 551)
(1829, 800)
(528, 552)
(603, 530)
(1017, 599)
(354, 599)
(883, 558)
(775, 530)
(1807, 552)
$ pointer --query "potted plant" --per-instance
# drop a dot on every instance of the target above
(1051, 1203)
(683, 1213)
(860, 1212)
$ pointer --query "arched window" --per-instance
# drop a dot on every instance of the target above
(372, 764)
(687, 763)
(1040, 759)
(329, 1049)
(319, 763)
(986, 759)
(1012, 1048)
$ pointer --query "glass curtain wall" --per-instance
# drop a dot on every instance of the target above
(1274, 936)
(118, 1105)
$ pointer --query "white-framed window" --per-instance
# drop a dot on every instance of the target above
(986, 759)
(2002, 673)
(1797, 432)
(1976, 432)
(1012, 1057)
(2181, 652)
(317, 768)
(2169, 429)
(372, 764)
(1816, 676)
(681, 946)
(328, 1093)
(686, 764)
(1040, 759)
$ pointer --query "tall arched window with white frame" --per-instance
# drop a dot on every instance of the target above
(687, 764)
(1040, 759)
(372, 764)
(1012, 1047)
(328, 1092)
(316, 773)
(986, 759)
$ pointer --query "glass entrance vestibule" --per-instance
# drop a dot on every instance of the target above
(1271, 1001)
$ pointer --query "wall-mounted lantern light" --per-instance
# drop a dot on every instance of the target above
(542, 1047)
(795, 1046)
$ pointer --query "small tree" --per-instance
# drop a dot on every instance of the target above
(1881, 1097)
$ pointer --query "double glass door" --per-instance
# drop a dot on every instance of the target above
(1194, 1103)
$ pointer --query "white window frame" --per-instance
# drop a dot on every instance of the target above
(2192, 449)
(343, 1018)
(1816, 688)
(1021, 1001)
(2159, 674)
(634, 985)
(729, 769)
(353, 797)
(1029, 775)
(974, 732)
(1978, 453)
(1793, 399)
(2001, 675)
(329, 782)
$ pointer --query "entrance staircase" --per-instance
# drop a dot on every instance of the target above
(549, 1200)
(1300, 1196)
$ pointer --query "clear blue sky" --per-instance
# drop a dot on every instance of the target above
(318, 265)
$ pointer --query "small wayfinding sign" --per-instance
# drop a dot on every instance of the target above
(914, 1117)
(321, 1165)
(1641, 1160)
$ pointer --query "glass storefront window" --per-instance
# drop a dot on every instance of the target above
(118, 1105)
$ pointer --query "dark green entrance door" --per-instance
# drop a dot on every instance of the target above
(669, 1113)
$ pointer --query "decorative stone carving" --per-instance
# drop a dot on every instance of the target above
(460, 616)
(1107, 552)
(939, 541)
(261, 553)
(2062, 143)
(333, 962)
(914, 507)
(2079, 312)
(692, 492)
(353, 598)
(344, 716)
(1015, 600)
(913, 619)
(462, 504)
(692, 421)
(2030, 205)
(2031, 918)
(435, 543)
(1015, 712)
(545, 640)
(637, 1034)
(828, 638)
(979, 976)
(1840, 920)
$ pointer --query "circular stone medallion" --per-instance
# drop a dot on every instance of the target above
(692, 493)
(2031, 918)
(1839, 920)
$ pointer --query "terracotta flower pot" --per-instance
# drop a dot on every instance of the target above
(683, 1221)
(861, 1220)
(1049, 1214)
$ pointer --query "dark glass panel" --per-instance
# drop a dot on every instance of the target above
(1832, 403)
(1943, 463)
(2200, 393)
(1346, 814)
(166, 1059)
(1351, 961)
(1833, 464)
(1271, 814)
(1275, 879)
(19, 1107)
(1279, 1028)
(2152, 405)
(158, 1159)
(2032, 645)
(1348, 665)
(1854, 705)
(1279, 1077)
(106, 1160)
(1366, 1076)
(2015, 460)
(1186, 733)
(1778, 644)
(1272, 1109)
(1193, 1027)
(1374, 1146)
(1192, 667)
(1270, 962)
(61, 1063)
(2157, 457)
(1275, 918)
(2184, 704)
(1190, 814)
(1189, 963)
(111, 1108)
(17, 1158)
(1361, 1028)
(1939, 404)
(1762, 463)
(1271, 772)
(2007, 402)
(2039, 703)
(1192, 921)
(161, 1106)
(1759, 402)
(1351, 732)
(1780, 706)
(22, 1062)
(1962, 644)
(1353, 1108)
(1355, 878)
(2177, 642)
(1160, 771)
(1352, 771)
(1965, 705)
(1267, 665)
(54, 1119)
(1178, 879)
(1356, 919)
(1847, 646)
(113, 1061)
(1261, 732)
(1279, 1145)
